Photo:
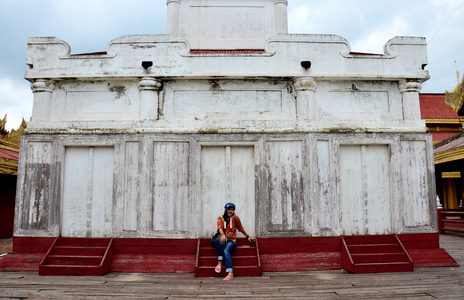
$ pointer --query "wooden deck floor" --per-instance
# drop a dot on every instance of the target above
(423, 283)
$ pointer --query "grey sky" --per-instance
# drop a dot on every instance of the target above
(88, 25)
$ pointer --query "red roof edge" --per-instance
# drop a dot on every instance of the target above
(368, 54)
(91, 53)
(227, 51)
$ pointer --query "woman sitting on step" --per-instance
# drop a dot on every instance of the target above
(227, 225)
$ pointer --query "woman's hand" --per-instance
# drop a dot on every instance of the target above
(223, 239)
(251, 239)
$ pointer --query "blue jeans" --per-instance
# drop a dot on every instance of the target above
(225, 251)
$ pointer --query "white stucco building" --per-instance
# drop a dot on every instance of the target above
(150, 138)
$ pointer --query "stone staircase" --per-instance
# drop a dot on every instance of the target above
(375, 254)
(245, 259)
(78, 256)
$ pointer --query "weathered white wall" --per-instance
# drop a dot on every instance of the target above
(176, 185)
(238, 24)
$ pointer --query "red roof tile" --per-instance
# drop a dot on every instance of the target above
(442, 135)
(4, 153)
(433, 107)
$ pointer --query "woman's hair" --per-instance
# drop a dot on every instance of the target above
(226, 217)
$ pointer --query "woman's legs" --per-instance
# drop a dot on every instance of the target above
(220, 247)
(225, 253)
(228, 249)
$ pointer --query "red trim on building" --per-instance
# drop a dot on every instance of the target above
(367, 54)
(226, 51)
(277, 254)
(90, 53)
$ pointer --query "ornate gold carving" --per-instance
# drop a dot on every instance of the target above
(455, 98)
(10, 141)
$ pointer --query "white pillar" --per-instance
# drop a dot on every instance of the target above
(410, 93)
(280, 15)
(173, 16)
(306, 97)
(149, 88)
(42, 89)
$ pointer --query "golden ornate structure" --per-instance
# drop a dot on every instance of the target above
(9, 146)
(455, 98)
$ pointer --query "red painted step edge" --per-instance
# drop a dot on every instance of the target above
(270, 249)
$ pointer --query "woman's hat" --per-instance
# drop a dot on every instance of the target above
(229, 205)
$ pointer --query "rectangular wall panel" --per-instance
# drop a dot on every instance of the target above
(102, 192)
(36, 201)
(242, 185)
(131, 187)
(285, 185)
(87, 205)
(414, 202)
(351, 190)
(75, 192)
(213, 187)
(227, 175)
(171, 210)
(325, 207)
(228, 100)
(365, 189)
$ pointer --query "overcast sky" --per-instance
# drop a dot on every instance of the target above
(88, 25)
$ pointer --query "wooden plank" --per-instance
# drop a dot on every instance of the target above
(21, 262)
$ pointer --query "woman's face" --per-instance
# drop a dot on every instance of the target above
(231, 211)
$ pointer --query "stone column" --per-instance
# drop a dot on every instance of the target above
(306, 97)
(280, 15)
(149, 88)
(42, 89)
(173, 16)
(410, 93)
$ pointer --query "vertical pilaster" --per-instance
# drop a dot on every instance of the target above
(410, 93)
(173, 12)
(280, 15)
(42, 89)
(149, 93)
(306, 96)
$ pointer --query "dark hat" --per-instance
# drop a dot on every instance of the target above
(229, 205)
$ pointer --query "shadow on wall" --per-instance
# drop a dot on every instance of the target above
(7, 204)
